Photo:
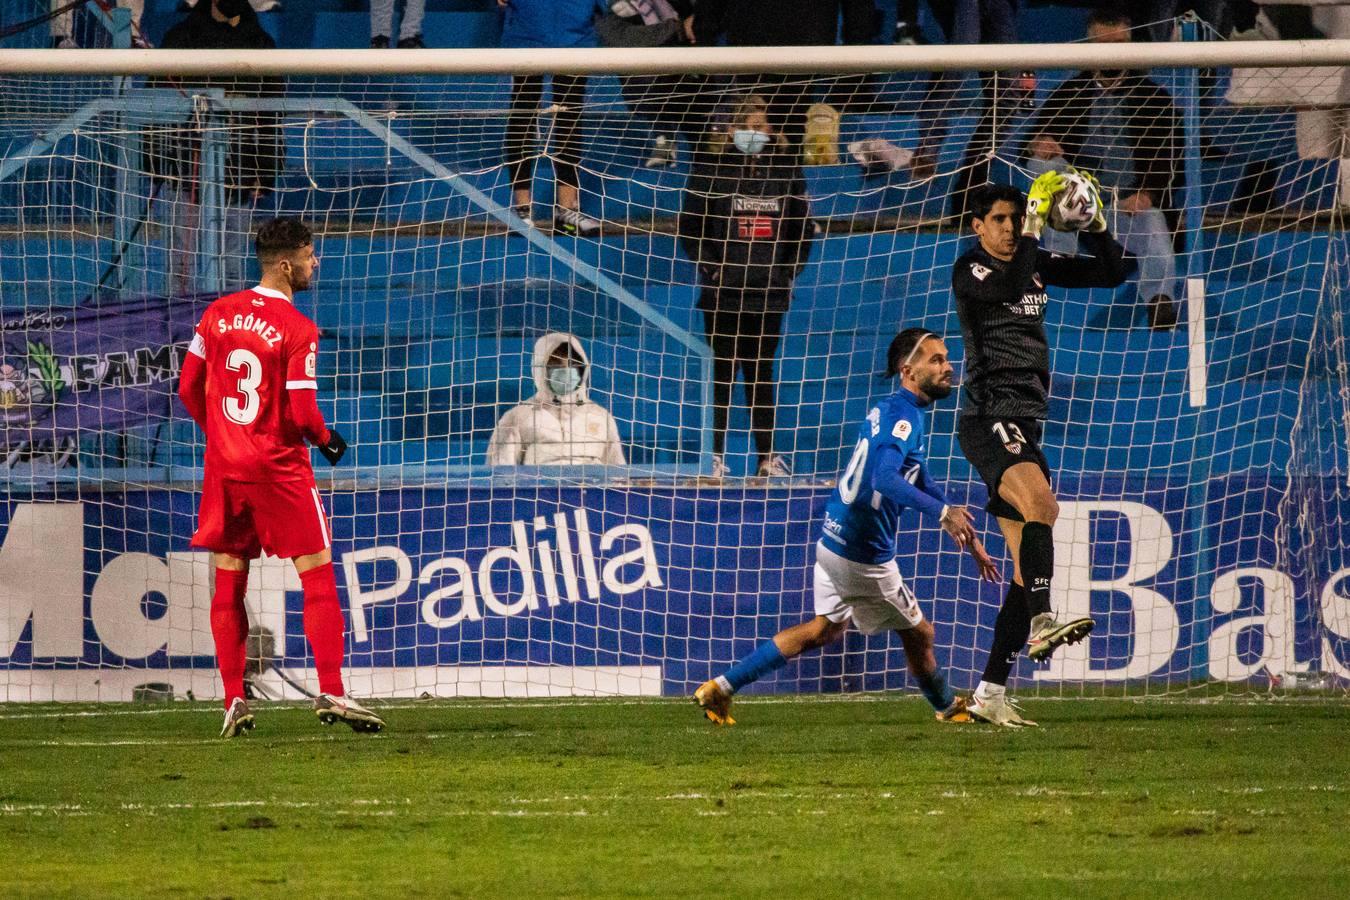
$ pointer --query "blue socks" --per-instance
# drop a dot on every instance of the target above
(766, 658)
(936, 691)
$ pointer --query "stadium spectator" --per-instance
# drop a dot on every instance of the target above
(560, 425)
(970, 22)
(255, 151)
(409, 26)
(63, 25)
(547, 24)
(1123, 127)
(667, 101)
(745, 224)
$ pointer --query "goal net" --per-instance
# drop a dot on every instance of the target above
(679, 231)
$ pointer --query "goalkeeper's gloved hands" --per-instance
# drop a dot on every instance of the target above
(1099, 222)
(333, 450)
(1040, 197)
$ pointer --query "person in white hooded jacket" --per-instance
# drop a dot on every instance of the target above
(560, 425)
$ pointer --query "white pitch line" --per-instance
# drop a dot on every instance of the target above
(264, 738)
(469, 704)
(391, 805)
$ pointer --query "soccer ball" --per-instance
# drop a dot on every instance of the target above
(1075, 206)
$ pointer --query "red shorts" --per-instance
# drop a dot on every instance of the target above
(285, 518)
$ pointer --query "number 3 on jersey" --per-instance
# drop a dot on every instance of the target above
(246, 362)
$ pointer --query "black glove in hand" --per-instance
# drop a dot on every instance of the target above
(333, 450)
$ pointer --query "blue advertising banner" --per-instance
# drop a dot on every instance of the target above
(105, 367)
(651, 590)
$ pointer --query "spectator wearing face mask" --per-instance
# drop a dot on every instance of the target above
(560, 425)
(745, 224)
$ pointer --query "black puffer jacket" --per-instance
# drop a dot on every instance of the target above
(746, 225)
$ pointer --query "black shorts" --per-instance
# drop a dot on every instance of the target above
(993, 445)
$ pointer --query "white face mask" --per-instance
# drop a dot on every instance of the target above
(749, 140)
(564, 381)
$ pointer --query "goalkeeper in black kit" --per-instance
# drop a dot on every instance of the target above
(1000, 290)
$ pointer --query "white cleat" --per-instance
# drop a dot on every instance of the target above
(1048, 634)
(238, 719)
(775, 467)
(998, 709)
(332, 709)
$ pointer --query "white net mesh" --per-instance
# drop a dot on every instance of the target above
(1199, 447)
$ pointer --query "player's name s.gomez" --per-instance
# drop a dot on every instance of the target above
(559, 554)
(256, 324)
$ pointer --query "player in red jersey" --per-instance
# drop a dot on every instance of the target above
(249, 383)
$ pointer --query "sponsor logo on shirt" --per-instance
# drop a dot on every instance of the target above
(756, 217)
(833, 526)
(1032, 305)
(753, 228)
(874, 419)
(756, 204)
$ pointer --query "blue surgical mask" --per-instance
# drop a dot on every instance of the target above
(564, 381)
(748, 140)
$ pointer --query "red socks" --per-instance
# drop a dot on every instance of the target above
(323, 627)
(229, 627)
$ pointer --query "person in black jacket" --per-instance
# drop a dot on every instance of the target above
(254, 149)
(1123, 126)
(1000, 290)
(745, 224)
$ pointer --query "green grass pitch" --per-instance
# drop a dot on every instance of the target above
(816, 797)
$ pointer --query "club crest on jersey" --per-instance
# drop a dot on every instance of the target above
(1013, 447)
(902, 429)
(980, 272)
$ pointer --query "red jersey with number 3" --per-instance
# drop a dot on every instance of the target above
(257, 346)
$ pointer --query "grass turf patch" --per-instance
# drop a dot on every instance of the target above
(611, 798)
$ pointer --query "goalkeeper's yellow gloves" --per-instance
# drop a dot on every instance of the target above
(1099, 221)
(1040, 198)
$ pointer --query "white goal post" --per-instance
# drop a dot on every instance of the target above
(658, 60)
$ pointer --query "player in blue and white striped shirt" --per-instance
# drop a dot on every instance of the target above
(856, 577)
